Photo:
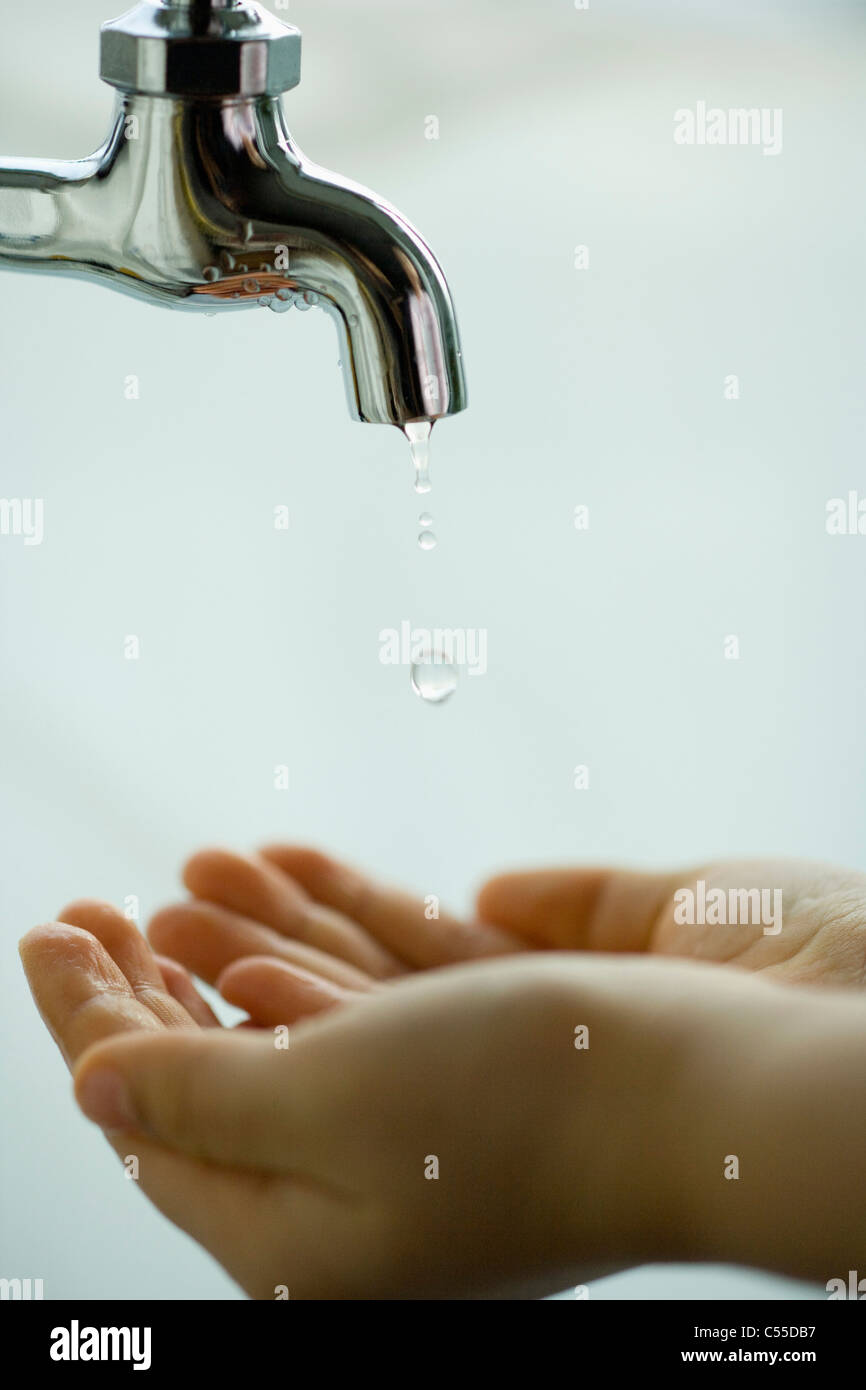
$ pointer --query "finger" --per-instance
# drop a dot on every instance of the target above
(207, 938)
(81, 993)
(131, 954)
(395, 918)
(579, 909)
(274, 993)
(120, 937)
(255, 888)
(222, 1097)
(179, 984)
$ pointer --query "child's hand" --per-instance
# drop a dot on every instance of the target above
(448, 1136)
(290, 931)
(443, 1139)
(811, 927)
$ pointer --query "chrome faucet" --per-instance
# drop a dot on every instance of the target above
(199, 199)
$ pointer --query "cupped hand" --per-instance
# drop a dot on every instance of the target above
(291, 929)
(504, 1127)
(442, 1137)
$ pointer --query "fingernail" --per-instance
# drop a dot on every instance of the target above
(104, 1098)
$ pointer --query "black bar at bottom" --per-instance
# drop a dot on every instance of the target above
(245, 1339)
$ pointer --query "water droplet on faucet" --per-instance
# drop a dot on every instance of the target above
(212, 272)
(418, 434)
(282, 300)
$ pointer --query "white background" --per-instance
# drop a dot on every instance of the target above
(602, 387)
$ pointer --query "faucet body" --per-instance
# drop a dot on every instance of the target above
(202, 201)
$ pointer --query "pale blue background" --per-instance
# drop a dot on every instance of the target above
(603, 387)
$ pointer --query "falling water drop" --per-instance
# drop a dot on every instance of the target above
(418, 434)
(433, 679)
(425, 521)
(427, 540)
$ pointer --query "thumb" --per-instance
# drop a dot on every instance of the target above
(226, 1098)
(579, 909)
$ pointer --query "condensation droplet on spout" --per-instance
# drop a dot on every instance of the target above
(418, 434)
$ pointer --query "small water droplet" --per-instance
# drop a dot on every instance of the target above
(427, 540)
(227, 261)
(252, 286)
(433, 679)
(265, 269)
(236, 295)
(266, 301)
(354, 320)
(212, 272)
(418, 434)
(425, 521)
(339, 361)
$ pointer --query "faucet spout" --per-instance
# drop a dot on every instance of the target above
(204, 203)
(347, 249)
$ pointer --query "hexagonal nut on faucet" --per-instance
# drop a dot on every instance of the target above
(190, 50)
